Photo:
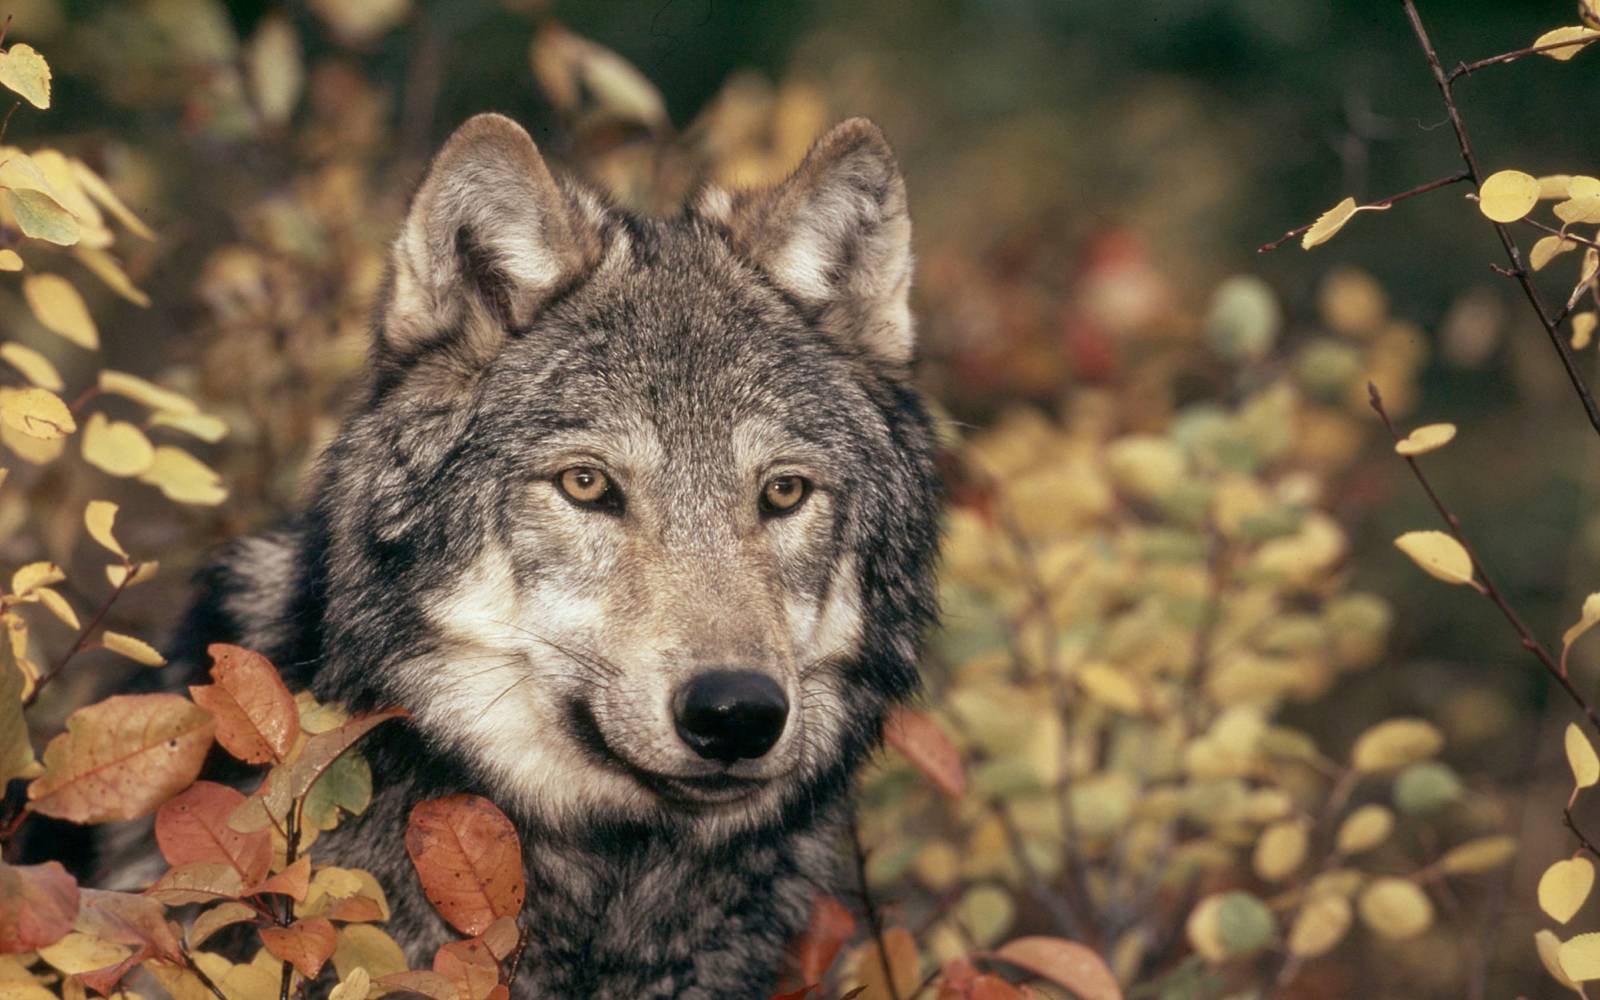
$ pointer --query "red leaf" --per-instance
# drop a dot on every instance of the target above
(257, 720)
(323, 749)
(105, 981)
(305, 944)
(469, 859)
(293, 882)
(470, 966)
(830, 927)
(799, 994)
(925, 744)
(122, 757)
(38, 904)
(194, 827)
(1066, 963)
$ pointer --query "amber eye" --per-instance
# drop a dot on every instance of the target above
(587, 486)
(784, 494)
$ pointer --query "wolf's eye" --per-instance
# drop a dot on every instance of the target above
(784, 495)
(587, 486)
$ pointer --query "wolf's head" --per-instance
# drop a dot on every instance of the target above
(640, 519)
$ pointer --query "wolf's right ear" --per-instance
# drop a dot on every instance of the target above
(489, 238)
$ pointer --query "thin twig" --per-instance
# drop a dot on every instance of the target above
(1380, 203)
(1517, 270)
(1467, 69)
(205, 980)
(514, 963)
(874, 919)
(1487, 588)
(82, 641)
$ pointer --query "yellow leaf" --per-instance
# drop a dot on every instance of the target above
(37, 413)
(1395, 743)
(58, 606)
(118, 573)
(136, 650)
(1508, 195)
(1581, 757)
(106, 268)
(35, 367)
(1577, 34)
(79, 952)
(100, 191)
(1426, 439)
(64, 187)
(1549, 948)
(184, 478)
(147, 393)
(1319, 928)
(1547, 249)
(9, 260)
(34, 575)
(1585, 210)
(1438, 554)
(1328, 224)
(1583, 186)
(1477, 856)
(40, 217)
(355, 986)
(1110, 686)
(25, 71)
(204, 426)
(1586, 621)
(363, 946)
(1580, 958)
(1281, 849)
(60, 309)
(1564, 887)
(1555, 187)
(1582, 330)
(100, 518)
(1365, 829)
(31, 449)
(1395, 908)
(116, 446)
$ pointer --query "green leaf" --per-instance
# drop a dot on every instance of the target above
(39, 217)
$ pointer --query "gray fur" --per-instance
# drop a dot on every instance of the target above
(528, 327)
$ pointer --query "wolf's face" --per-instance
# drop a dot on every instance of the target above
(641, 521)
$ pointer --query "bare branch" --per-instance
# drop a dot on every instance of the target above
(1467, 69)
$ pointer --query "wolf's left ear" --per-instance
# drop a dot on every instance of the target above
(837, 237)
(489, 238)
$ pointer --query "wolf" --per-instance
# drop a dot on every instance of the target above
(638, 518)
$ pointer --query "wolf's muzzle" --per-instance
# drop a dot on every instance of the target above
(730, 715)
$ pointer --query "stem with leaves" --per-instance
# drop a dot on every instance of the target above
(1420, 189)
(82, 643)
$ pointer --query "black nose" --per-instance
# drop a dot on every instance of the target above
(730, 715)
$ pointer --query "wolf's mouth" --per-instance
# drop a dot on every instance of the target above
(682, 790)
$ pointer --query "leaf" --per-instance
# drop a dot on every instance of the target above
(355, 986)
(183, 478)
(24, 71)
(193, 827)
(217, 917)
(197, 882)
(346, 785)
(1364, 829)
(129, 919)
(1328, 224)
(589, 82)
(363, 946)
(1477, 856)
(1564, 887)
(1581, 756)
(121, 758)
(294, 881)
(323, 749)
(96, 187)
(1583, 325)
(1395, 908)
(38, 413)
(1425, 439)
(274, 69)
(10, 260)
(58, 606)
(204, 426)
(501, 938)
(137, 650)
(1320, 926)
(1548, 248)
(35, 367)
(830, 926)
(40, 217)
(16, 750)
(1065, 963)
(469, 859)
(1110, 686)
(105, 267)
(100, 519)
(428, 984)
(1549, 948)
(38, 904)
(59, 308)
(1229, 924)
(1281, 849)
(1392, 744)
(1438, 554)
(1508, 195)
(116, 447)
(900, 949)
(925, 744)
(1426, 787)
(469, 966)
(305, 944)
(1578, 35)
(78, 953)
(257, 720)
(34, 575)
(145, 393)
(347, 894)
(1585, 210)
(1580, 957)
(120, 575)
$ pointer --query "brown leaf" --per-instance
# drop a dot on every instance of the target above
(305, 944)
(429, 984)
(470, 966)
(194, 827)
(924, 742)
(257, 720)
(1066, 963)
(830, 927)
(121, 758)
(502, 937)
(293, 882)
(469, 859)
(129, 919)
(38, 904)
(216, 918)
(197, 882)
(323, 749)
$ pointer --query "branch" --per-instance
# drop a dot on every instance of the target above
(874, 920)
(1467, 69)
(1517, 270)
(82, 641)
(1381, 203)
(1488, 589)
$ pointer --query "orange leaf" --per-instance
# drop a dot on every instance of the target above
(323, 749)
(125, 918)
(469, 859)
(470, 966)
(256, 717)
(502, 937)
(293, 882)
(1066, 963)
(799, 994)
(197, 882)
(899, 954)
(194, 827)
(38, 904)
(924, 743)
(305, 944)
(429, 984)
(121, 758)
(830, 927)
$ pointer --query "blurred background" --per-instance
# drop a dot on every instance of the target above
(1089, 183)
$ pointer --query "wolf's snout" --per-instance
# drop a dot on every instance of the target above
(730, 715)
